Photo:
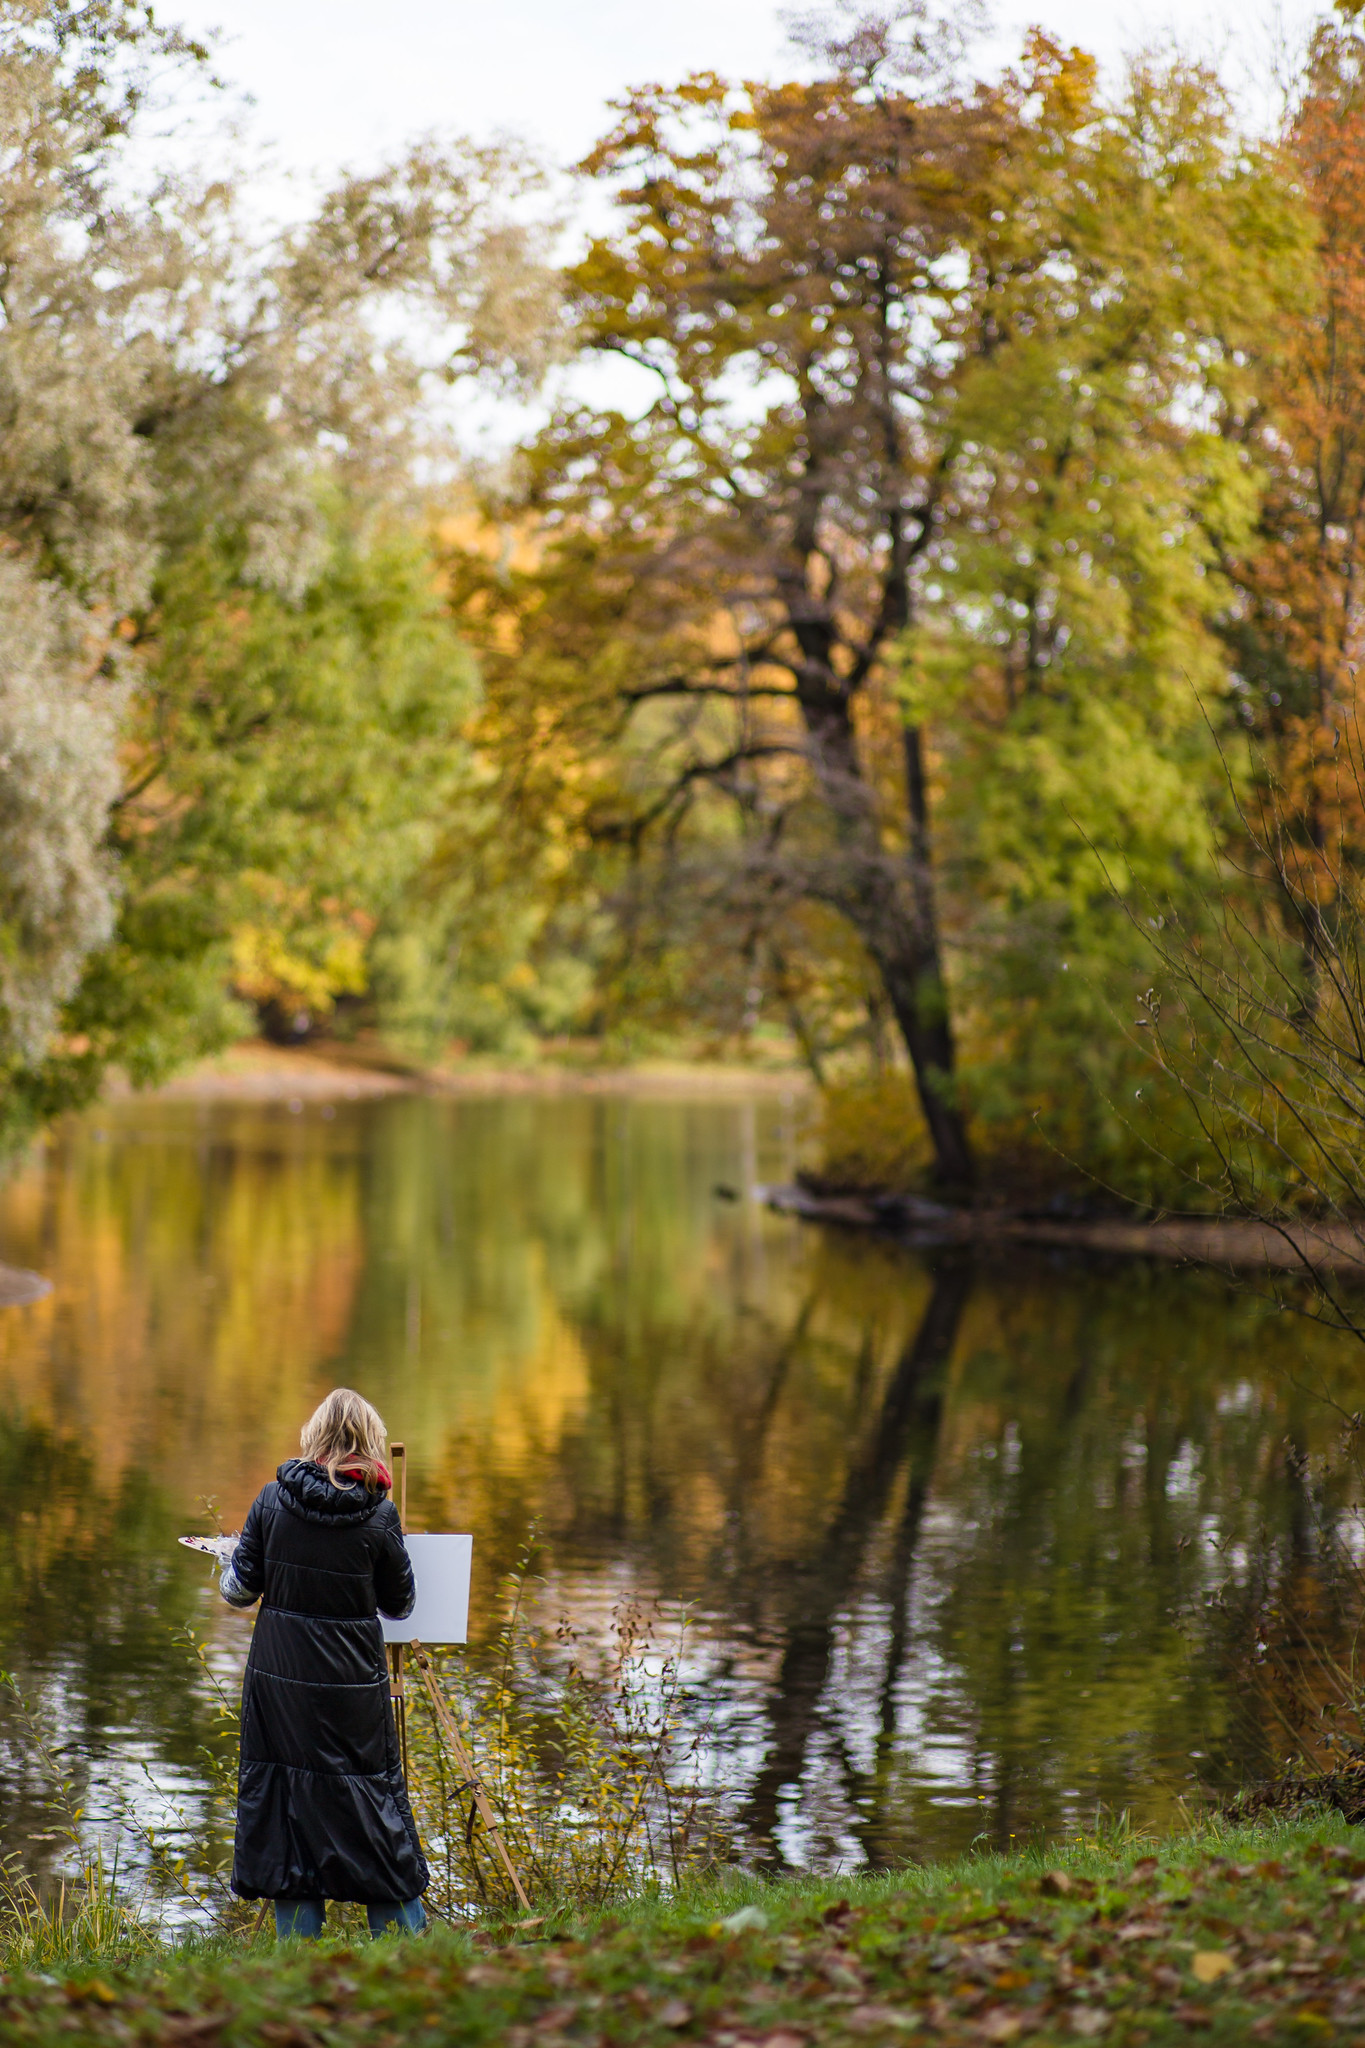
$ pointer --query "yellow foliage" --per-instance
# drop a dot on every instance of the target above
(872, 1133)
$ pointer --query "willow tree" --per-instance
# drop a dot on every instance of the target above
(174, 389)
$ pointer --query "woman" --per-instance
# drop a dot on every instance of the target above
(322, 1811)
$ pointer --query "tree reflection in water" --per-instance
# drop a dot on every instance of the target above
(937, 1524)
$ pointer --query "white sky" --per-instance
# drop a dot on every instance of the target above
(342, 81)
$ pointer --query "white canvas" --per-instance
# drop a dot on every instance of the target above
(441, 1566)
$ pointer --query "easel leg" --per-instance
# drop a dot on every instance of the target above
(446, 1721)
(444, 1718)
(400, 1704)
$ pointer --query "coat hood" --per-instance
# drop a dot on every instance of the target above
(307, 1491)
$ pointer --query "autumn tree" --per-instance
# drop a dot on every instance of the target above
(776, 270)
(1295, 632)
(1139, 259)
(908, 516)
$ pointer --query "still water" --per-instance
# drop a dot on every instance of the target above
(945, 1532)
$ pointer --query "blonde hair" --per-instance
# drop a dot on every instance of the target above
(345, 1434)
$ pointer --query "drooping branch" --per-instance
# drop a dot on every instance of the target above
(634, 829)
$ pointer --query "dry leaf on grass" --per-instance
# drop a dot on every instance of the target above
(1089, 2022)
(999, 2026)
(1209, 1964)
(677, 2013)
(871, 2019)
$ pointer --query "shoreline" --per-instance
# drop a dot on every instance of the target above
(258, 1072)
(1237, 1244)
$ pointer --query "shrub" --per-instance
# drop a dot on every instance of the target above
(872, 1135)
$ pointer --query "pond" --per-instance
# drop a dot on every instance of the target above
(944, 1531)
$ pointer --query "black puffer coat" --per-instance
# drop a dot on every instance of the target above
(322, 1812)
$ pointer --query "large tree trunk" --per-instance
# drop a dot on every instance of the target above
(912, 974)
(890, 904)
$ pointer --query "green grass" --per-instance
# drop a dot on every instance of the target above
(1234, 1935)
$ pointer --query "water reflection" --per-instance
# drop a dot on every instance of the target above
(936, 1522)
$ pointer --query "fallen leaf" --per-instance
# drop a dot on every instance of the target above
(201, 2031)
(94, 1988)
(1089, 2022)
(1192, 2015)
(1145, 1866)
(840, 1910)
(677, 2013)
(999, 2026)
(555, 2018)
(1056, 1884)
(784, 2037)
(1139, 1930)
(870, 2019)
(1209, 1964)
(748, 1917)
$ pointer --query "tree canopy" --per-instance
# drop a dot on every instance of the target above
(983, 541)
(902, 603)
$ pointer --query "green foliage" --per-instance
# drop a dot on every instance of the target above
(1068, 661)
(301, 758)
(293, 761)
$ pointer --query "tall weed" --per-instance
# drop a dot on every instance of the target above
(88, 1916)
(594, 1783)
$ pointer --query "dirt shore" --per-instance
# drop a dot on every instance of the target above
(257, 1072)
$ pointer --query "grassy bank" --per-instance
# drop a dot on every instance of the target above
(1247, 1934)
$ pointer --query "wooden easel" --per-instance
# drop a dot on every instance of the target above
(445, 1720)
